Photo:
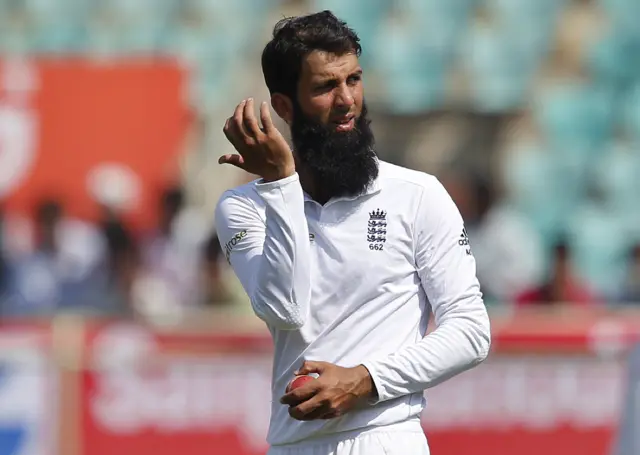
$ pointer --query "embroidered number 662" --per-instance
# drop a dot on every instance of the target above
(375, 247)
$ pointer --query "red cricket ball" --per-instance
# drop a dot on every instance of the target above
(299, 381)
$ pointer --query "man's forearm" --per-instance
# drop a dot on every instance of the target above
(455, 346)
(281, 291)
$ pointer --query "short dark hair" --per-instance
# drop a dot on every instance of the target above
(294, 38)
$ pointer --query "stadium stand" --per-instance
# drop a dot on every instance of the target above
(571, 67)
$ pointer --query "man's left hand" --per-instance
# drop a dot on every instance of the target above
(336, 391)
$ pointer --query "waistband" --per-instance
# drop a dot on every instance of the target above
(412, 425)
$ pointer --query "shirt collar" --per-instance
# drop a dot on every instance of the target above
(373, 188)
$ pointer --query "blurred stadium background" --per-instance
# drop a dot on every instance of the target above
(123, 329)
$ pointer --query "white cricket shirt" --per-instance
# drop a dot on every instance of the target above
(354, 282)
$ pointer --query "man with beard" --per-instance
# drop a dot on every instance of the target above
(344, 257)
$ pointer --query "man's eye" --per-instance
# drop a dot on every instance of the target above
(323, 88)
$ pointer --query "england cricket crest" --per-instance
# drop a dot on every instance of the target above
(377, 229)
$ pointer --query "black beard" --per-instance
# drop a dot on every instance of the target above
(342, 163)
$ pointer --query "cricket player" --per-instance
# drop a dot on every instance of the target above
(344, 257)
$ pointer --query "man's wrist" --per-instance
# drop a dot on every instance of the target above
(279, 174)
(366, 388)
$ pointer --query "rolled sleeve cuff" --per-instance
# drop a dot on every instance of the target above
(262, 187)
(376, 377)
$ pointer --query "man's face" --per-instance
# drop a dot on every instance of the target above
(330, 128)
(330, 89)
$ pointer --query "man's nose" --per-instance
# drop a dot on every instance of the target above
(344, 98)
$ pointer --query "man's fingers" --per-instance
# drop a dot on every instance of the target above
(227, 130)
(265, 117)
(232, 132)
(235, 160)
(237, 113)
(238, 121)
(301, 394)
(250, 120)
(311, 367)
(320, 411)
(311, 409)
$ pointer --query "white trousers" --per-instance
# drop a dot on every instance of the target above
(376, 442)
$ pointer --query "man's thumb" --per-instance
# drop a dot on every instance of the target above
(235, 160)
(310, 367)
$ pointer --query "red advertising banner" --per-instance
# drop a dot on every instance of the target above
(528, 404)
(218, 407)
(155, 394)
(142, 397)
(76, 387)
(76, 130)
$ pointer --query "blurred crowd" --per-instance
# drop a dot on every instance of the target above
(527, 110)
(52, 262)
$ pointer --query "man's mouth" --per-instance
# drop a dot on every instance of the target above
(345, 123)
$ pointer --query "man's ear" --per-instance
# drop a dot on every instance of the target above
(283, 106)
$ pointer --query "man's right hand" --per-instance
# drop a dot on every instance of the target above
(261, 151)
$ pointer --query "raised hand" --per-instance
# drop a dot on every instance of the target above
(261, 151)
(336, 391)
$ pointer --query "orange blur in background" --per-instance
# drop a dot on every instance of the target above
(85, 118)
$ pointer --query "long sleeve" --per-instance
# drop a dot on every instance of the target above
(447, 272)
(269, 256)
